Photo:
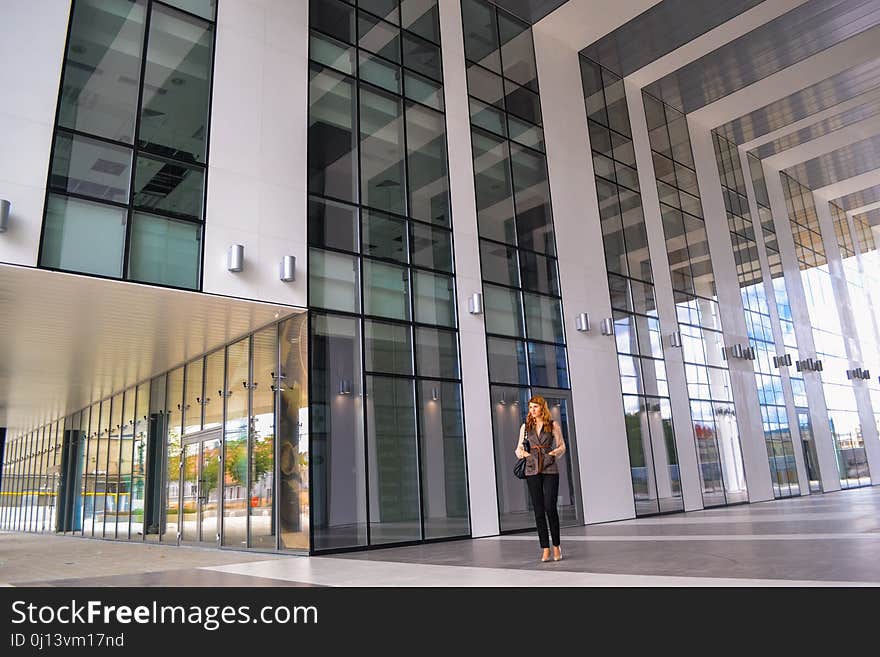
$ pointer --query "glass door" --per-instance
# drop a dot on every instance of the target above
(570, 511)
(200, 492)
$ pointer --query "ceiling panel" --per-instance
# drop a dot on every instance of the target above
(847, 162)
(860, 199)
(660, 30)
(819, 129)
(530, 10)
(841, 87)
(66, 340)
(794, 36)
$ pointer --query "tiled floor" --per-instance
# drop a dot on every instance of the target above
(831, 539)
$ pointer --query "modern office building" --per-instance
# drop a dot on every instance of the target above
(284, 274)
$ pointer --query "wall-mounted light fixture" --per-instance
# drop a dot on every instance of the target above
(675, 339)
(435, 394)
(582, 322)
(288, 268)
(782, 361)
(475, 303)
(344, 387)
(606, 326)
(5, 209)
(235, 258)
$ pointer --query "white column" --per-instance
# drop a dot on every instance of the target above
(851, 335)
(778, 339)
(688, 465)
(603, 456)
(742, 374)
(31, 55)
(468, 279)
(806, 347)
(258, 145)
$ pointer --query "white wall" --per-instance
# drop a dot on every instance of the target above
(257, 158)
(31, 54)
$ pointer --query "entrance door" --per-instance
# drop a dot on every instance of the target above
(570, 511)
(201, 478)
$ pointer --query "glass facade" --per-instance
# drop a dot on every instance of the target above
(650, 435)
(521, 296)
(753, 292)
(713, 414)
(126, 191)
(843, 417)
(386, 414)
(144, 464)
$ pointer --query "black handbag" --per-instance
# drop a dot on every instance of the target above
(519, 470)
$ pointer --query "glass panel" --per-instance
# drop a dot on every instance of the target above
(422, 56)
(173, 410)
(213, 399)
(114, 456)
(235, 443)
(426, 165)
(525, 133)
(507, 361)
(444, 472)
(594, 97)
(333, 163)
(91, 168)
(481, 43)
(431, 247)
(534, 219)
(379, 37)
(333, 225)
(509, 407)
(381, 73)
(333, 281)
(487, 117)
(517, 51)
(333, 17)
(485, 85)
(434, 298)
(494, 188)
(139, 461)
(261, 497)
(156, 474)
(293, 454)
(393, 461)
(547, 365)
(190, 494)
(170, 188)
(192, 409)
(423, 90)
(543, 318)
(382, 153)
(499, 263)
(437, 353)
(387, 348)
(386, 290)
(421, 17)
(538, 273)
(101, 465)
(204, 8)
(339, 491)
(83, 237)
(384, 236)
(102, 67)
(503, 311)
(165, 252)
(177, 84)
(386, 9)
(522, 102)
(331, 52)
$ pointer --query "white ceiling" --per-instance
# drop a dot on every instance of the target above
(66, 340)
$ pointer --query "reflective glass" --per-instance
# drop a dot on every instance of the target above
(421, 17)
(213, 399)
(193, 395)
(426, 165)
(422, 56)
(436, 353)
(434, 298)
(174, 428)
(333, 163)
(386, 290)
(543, 318)
(379, 37)
(522, 102)
(494, 188)
(382, 151)
(503, 311)
(177, 84)
(507, 361)
(333, 17)
(488, 117)
(384, 236)
(169, 187)
(517, 51)
(423, 90)
(165, 252)
(333, 225)
(235, 442)
(91, 168)
(332, 53)
(499, 263)
(261, 480)
(333, 281)
(387, 348)
(481, 43)
(380, 72)
(385, 9)
(485, 85)
(431, 247)
(534, 218)
(538, 273)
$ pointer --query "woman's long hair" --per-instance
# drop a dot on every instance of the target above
(546, 420)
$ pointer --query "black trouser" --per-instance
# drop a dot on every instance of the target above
(544, 489)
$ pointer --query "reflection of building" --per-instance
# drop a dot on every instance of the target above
(317, 325)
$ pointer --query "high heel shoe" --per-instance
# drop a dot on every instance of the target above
(557, 553)
(545, 556)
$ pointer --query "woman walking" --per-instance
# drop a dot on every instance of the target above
(541, 444)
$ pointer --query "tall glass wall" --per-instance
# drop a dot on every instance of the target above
(713, 414)
(774, 417)
(868, 312)
(843, 416)
(648, 414)
(144, 464)
(386, 413)
(126, 187)
(779, 292)
(521, 296)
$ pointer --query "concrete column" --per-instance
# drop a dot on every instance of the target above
(742, 373)
(603, 457)
(471, 330)
(806, 347)
(770, 293)
(850, 332)
(685, 444)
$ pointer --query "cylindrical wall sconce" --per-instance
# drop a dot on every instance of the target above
(5, 209)
(582, 322)
(235, 258)
(607, 326)
(475, 303)
(288, 268)
(675, 339)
